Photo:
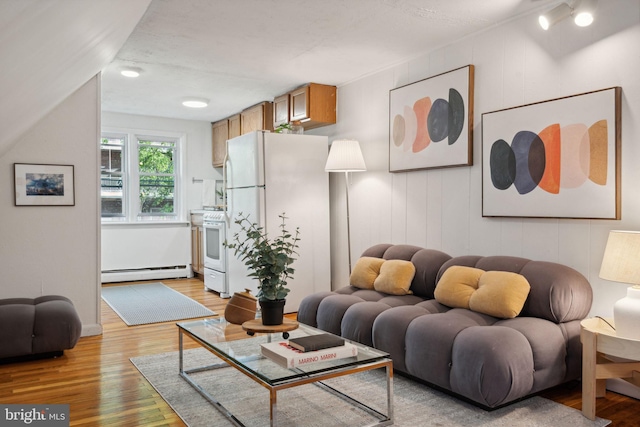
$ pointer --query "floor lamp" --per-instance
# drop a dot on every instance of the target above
(345, 156)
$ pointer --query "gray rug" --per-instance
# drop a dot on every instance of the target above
(151, 303)
(308, 405)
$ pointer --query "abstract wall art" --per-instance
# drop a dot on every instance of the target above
(431, 122)
(554, 159)
(43, 185)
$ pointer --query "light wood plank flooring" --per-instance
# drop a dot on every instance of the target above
(103, 388)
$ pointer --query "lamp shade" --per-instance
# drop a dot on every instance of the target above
(621, 263)
(621, 260)
(345, 156)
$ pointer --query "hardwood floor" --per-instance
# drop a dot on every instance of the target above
(103, 388)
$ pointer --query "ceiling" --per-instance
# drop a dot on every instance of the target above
(240, 52)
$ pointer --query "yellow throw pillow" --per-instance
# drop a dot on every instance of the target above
(457, 284)
(500, 294)
(365, 272)
(395, 277)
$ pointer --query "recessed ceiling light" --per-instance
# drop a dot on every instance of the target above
(130, 72)
(195, 102)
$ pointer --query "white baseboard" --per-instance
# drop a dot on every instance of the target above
(91, 330)
(145, 274)
(621, 386)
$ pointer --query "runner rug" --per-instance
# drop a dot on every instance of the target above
(414, 404)
(151, 303)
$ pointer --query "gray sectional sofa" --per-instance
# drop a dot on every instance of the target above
(37, 327)
(490, 361)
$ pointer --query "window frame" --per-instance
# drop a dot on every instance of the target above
(131, 176)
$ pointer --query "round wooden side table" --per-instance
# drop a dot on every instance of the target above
(254, 326)
(602, 350)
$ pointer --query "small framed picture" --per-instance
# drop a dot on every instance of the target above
(43, 185)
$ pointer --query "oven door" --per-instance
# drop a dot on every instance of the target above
(213, 250)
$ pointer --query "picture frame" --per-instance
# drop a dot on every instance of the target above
(43, 184)
(558, 158)
(431, 122)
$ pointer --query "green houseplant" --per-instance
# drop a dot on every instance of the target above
(269, 261)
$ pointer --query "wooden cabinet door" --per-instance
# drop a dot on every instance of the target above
(299, 104)
(258, 117)
(219, 135)
(197, 259)
(200, 250)
(281, 110)
(234, 126)
(251, 119)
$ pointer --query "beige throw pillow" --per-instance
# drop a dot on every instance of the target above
(395, 277)
(456, 286)
(500, 294)
(365, 272)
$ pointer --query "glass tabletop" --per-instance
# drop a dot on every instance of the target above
(247, 354)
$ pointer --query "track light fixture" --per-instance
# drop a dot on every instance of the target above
(581, 10)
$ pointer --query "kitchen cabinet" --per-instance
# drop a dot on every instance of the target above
(281, 110)
(219, 136)
(234, 126)
(258, 117)
(197, 255)
(220, 132)
(314, 105)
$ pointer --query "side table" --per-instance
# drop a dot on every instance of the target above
(605, 355)
(255, 326)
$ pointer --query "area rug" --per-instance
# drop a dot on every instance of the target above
(151, 303)
(414, 404)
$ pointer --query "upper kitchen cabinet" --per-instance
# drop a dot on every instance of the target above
(220, 132)
(219, 136)
(234, 126)
(258, 117)
(281, 110)
(314, 105)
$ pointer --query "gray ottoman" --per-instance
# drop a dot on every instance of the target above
(38, 327)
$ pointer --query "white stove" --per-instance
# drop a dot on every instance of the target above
(215, 253)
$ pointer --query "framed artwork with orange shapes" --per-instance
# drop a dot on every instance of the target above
(431, 122)
(554, 159)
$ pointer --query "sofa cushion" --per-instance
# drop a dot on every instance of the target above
(365, 272)
(456, 286)
(500, 294)
(395, 277)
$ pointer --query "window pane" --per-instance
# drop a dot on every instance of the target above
(111, 188)
(155, 157)
(157, 194)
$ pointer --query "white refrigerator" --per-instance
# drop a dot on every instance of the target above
(267, 174)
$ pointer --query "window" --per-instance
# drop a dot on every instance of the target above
(156, 171)
(111, 175)
(139, 177)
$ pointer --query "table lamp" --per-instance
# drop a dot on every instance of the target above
(345, 156)
(621, 263)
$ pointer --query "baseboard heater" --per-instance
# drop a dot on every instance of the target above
(131, 275)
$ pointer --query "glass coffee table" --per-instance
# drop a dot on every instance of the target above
(245, 356)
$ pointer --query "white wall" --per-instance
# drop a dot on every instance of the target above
(515, 64)
(53, 250)
(134, 246)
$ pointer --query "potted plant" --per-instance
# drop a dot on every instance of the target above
(269, 261)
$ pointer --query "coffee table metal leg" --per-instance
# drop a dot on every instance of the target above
(273, 409)
(389, 370)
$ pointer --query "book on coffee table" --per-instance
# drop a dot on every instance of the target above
(316, 342)
(288, 357)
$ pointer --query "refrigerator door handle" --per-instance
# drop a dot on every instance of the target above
(224, 184)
